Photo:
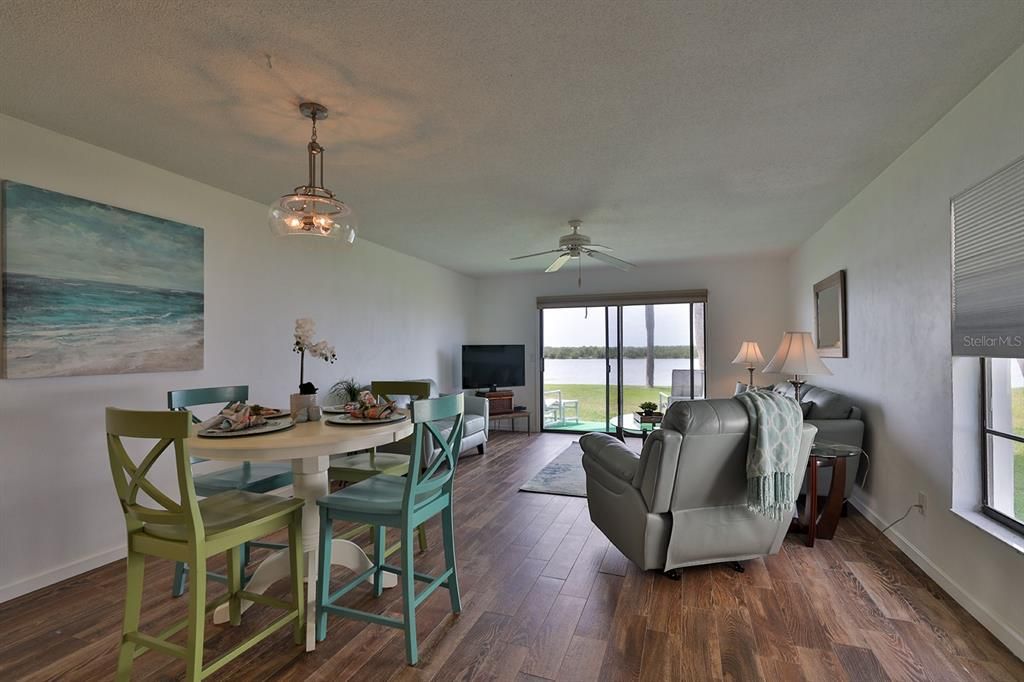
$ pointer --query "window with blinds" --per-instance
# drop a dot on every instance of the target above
(988, 266)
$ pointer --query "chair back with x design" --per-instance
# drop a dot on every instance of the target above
(169, 429)
(431, 418)
(187, 398)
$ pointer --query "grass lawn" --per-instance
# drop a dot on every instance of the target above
(592, 398)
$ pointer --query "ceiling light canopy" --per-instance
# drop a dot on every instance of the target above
(312, 209)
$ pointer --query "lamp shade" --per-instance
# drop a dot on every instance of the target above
(750, 354)
(796, 355)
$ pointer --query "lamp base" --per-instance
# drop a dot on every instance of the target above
(797, 385)
(750, 383)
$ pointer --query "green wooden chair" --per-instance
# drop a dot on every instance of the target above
(253, 477)
(192, 531)
(360, 466)
(386, 501)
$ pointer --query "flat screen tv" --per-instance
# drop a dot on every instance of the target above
(493, 366)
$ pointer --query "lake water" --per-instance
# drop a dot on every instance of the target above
(634, 371)
(60, 327)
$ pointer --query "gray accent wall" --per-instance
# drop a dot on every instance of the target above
(919, 405)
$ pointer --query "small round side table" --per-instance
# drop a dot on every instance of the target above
(822, 523)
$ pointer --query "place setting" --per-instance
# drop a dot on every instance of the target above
(238, 419)
(367, 410)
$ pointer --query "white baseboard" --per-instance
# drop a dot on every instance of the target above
(993, 623)
(55, 575)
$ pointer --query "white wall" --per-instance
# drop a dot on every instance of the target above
(746, 301)
(390, 316)
(894, 241)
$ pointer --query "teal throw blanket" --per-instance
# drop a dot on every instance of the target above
(775, 426)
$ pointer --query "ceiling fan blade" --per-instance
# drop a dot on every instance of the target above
(599, 246)
(539, 253)
(610, 260)
(559, 262)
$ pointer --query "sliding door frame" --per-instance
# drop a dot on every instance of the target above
(607, 365)
(617, 302)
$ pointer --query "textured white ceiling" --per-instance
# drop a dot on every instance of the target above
(465, 132)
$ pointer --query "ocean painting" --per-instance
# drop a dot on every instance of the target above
(94, 289)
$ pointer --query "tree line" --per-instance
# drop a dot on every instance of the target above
(630, 352)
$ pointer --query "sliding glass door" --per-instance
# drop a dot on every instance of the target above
(601, 362)
(576, 367)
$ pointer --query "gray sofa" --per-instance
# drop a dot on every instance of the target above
(838, 421)
(682, 501)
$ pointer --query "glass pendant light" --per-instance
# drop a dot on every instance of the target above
(312, 209)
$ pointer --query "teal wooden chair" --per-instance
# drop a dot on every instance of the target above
(190, 530)
(253, 477)
(360, 466)
(404, 503)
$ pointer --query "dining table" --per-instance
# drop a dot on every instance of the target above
(308, 446)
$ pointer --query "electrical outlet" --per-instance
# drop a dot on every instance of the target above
(922, 502)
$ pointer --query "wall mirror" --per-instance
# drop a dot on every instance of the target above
(830, 315)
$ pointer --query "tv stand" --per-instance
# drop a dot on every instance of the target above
(498, 402)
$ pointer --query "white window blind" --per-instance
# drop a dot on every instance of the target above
(988, 266)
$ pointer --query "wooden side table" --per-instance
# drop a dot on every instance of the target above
(512, 417)
(822, 523)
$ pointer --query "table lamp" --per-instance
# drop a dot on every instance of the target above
(749, 355)
(797, 356)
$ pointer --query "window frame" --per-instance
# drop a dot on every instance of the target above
(987, 435)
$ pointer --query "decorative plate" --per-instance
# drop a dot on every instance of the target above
(335, 409)
(271, 426)
(349, 420)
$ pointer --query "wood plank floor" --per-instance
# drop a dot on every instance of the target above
(546, 598)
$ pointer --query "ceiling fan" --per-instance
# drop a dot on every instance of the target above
(571, 245)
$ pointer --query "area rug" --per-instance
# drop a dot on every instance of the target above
(562, 476)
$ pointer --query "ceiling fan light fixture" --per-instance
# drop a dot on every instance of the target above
(572, 245)
(312, 209)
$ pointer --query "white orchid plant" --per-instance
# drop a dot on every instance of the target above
(304, 328)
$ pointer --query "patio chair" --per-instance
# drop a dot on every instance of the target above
(555, 406)
(681, 388)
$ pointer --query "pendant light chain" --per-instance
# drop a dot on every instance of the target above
(313, 149)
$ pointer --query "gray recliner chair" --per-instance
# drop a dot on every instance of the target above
(682, 501)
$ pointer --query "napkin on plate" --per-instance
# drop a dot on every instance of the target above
(234, 417)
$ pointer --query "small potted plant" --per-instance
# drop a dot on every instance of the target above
(648, 408)
(345, 391)
(306, 397)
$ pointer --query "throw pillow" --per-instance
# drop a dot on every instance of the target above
(827, 404)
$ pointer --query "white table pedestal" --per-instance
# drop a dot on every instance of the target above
(309, 483)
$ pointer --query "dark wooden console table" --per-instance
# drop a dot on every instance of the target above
(512, 417)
